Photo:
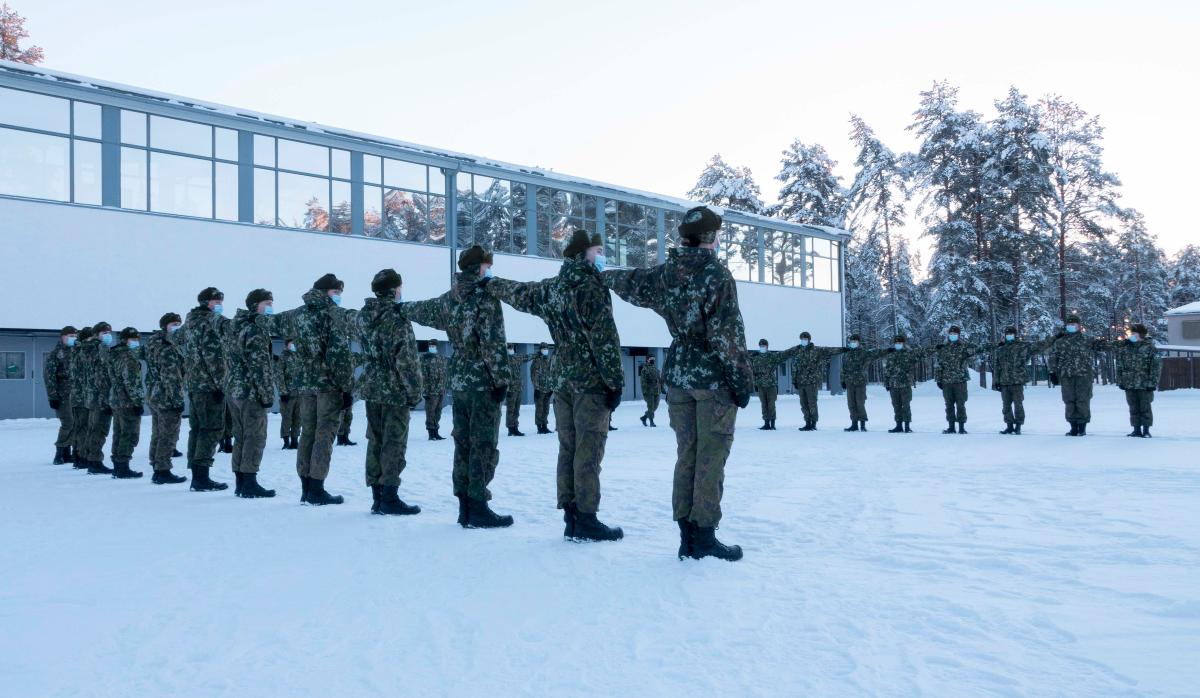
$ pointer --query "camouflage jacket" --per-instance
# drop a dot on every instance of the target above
(766, 366)
(811, 365)
(1139, 367)
(56, 374)
(1010, 364)
(577, 309)
(81, 370)
(204, 351)
(1074, 355)
(697, 297)
(855, 363)
(515, 361)
(898, 367)
(164, 372)
(250, 373)
(474, 321)
(952, 360)
(541, 374)
(99, 378)
(125, 378)
(651, 380)
(285, 372)
(322, 338)
(393, 369)
(433, 373)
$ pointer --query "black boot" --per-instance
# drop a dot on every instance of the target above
(97, 467)
(81, 463)
(513, 431)
(201, 482)
(1083, 428)
(391, 504)
(1074, 429)
(166, 477)
(1137, 431)
(588, 527)
(69, 454)
(705, 544)
(286, 442)
(303, 490)
(1146, 432)
(898, 429)
(1017, 429)
(686, 531)
(59, 457)
(908, 427)
(652, 421)
(175, 453)
(611, 427)
(227, 444)
(569, 512)
(809, 425)
(962, 427)
(252, 490)
(853, 426)
(237, 487)
(1008, 428)
(766, 425)
(949, 428)
(543, 429)
(317, 495)
(773, 424)
(480, 515)
(375, 496)
(463, 510)
(345, 441)
(292, 444)
(437, 436)
(644, 418)
(121, 471)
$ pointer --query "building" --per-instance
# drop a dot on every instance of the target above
(1183, 326)
(120, 204)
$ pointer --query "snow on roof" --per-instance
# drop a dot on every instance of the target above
(313, 127)
(1189, 309)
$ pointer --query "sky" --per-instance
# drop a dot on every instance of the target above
(642, 93)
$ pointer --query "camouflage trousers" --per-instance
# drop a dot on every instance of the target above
(289, 413)
(164, 435)
(582, 420)
(767, 397)
(901, 403)
(80, 416)
(347, 419)
(433, 410)
(512, 407)
(127, 431)
(320, 416)
(1077, 398)
(97, 433)
(227, 425)
(476, 432)
(955, 397)
(856, 400)
(1140, 413)
(1012, 398)
(66, 423)
(205, 424)
(249, 435)
(651, 404)
(703, 424)
(387, 443)
(541, 408)
(808, 401)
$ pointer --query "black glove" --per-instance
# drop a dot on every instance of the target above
(283, 399)
(219, 395)
(940, 346)
(741, 399)
(1060, 335)
(499, 393)
(939, 385)
(106, 411)
(347, 400)
(1121, 387)
(995, 387)
(266, 405)
(55, 404)
(843, 385)
(136, 406)
(612, 399)
(1053, 378)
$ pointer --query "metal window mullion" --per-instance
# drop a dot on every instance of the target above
(71, 152)
(451, 218)
(110, 156)
(357, 195)
(762, 258)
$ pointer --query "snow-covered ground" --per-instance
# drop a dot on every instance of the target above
(876, 564)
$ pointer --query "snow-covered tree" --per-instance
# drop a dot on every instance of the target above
(811, 192)
(1185, 277)
(729, 187)
(12, 31)
(1142, 272)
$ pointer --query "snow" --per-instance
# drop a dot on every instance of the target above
(876, 564)
(1189, 309)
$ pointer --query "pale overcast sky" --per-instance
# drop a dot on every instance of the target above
(643, 93)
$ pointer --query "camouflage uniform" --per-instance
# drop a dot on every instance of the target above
(433, 375)
(951, 375)
(765, 366)
(80, 376)
(577, 309)
(1010, 373)
(541, 376)
(324, 372)
(1072, 360)
(478, 371)
(652, 388)
(251, 388)
(809, 370)
(706, 368)
(289, 401)
(898, 378)
(164, 395)
(205, 371)
(854, 379)
(1139, 369)
(391, 386)
(56, 377)
(126, 398)
(96, 399)
(516, 390)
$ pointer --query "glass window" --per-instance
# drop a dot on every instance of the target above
(32, 110)
(372, 216)
(822, 274)
(133, 127)
(404, 175)
(180, 136)
(227, 191)
(181, 185)
(437, 181)
(227, 144)
(87, 120)
(341, 163)
(264, 151)
(87, 173)
(303, 157)
(403, 217)
(34, 165)
(373, 169)
(436, 220)
(303, 201)
(12, 364)
(493, 215)
(264, 195)
(739, 250)
(133, 178)
(340, 216)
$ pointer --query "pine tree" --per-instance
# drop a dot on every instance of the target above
(811, 193)
(1142, 273)
(1185, 277)
(733, 188)
(12, 31)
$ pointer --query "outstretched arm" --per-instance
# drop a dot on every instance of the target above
(527, 296)
(638, 287)
(434, 312)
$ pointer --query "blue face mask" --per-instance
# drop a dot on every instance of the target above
(269, 310)
(762, 350)
(487, 274)
(804, 342)
(1134, 338)
(70, 341)
(218, 308)
(953, 338)
(432, 349)
(134, 344)
(399, 298)
(897, 346)
(337, 299)
(600, 262)
(1072, 329)
(853, 345)
(173, 328)
(1010, 338)
(107, 339)
(291, 347)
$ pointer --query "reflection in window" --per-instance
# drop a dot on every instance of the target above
(12, 365)
(264, 151)
(180, 185)
(264, 195)
(303, 157)
(133, 178)
(180, 136)
(30, 110)
(34, 165)
(133, 127)
(436, 220)
(372, 211)
(303, 201)
(402, 218)
(630, 234)
(227, 144)
(340, 217)
(404, 175)
(739, 250)
(87, 173)
(227, 191)
(87, 120)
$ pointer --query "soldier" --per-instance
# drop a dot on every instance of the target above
(164, 395)
(80, 376)
(99, 409)
(479, 376)
(289, 402)
(855, 361)
(809, 369)
(708, 375)
(205, 374)
(577, 309)
(766, 379)
(1139, 369)
(1010, 374)
(541, 373)
(898, 379)
(951, 376)
(325, 381)
(251, 390)
(391, 386)
(126, 397)
(512, 406)
(433, 378)
(1072, 365)
(56, 376)
(652, 388)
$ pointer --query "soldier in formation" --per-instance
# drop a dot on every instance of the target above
(78, 377)
(164, 395)
(289, 400)
(652, 388)
(855, 361)
(810, 366)
(1072, 363)
(251, 390)
(1139, 370)
(765, 365)
(951, 376)
(96, 396)
(899, 378)
(126, 399)
(1010, 373)
(56, 377)
(541, 374)
(512, 407)
(433, 375)
(205, 373)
